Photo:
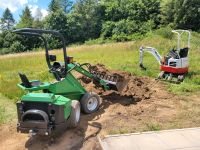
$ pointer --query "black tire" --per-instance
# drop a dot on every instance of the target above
(75, 114)
(90, 102)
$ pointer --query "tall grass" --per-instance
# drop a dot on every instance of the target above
(7, 110)
(117, 56)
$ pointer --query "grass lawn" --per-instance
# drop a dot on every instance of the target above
(117, 56)
(7, 110)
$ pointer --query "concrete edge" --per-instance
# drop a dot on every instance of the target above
(100, 142)
(149, 132)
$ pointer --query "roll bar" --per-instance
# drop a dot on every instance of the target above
(39, 32)
(179, 33)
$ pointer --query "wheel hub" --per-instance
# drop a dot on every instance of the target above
(92, 103)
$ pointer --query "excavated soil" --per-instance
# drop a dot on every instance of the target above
(141, 104)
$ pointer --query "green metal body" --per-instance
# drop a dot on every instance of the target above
(49, 98)
(60, 92)
(47, 106)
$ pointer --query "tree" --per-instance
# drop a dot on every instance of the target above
(38, 23)
(38, 14)
(187, 16)
(7, 21)
(126, 18)
(168, 12)
(54, 5)
(183, 14)
(57, 21)
(85, 20)
(26, 19)
(66, 5)
(136, 10)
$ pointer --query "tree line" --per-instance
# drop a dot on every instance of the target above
(83, 20)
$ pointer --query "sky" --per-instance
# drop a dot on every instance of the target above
(16, 7)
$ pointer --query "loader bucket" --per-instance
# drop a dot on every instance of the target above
(117, 85)
(113, 81)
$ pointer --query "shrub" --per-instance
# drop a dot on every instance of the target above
(17, 47)
(107, 29)
(165, 32)
(5, 51)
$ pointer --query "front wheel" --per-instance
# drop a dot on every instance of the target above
(90, 102)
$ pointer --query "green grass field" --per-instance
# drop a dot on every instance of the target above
(117, 56)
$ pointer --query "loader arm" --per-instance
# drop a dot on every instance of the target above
(107, 82)
(80, 68)
(151, 50)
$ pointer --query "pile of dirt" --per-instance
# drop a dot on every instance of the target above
(136, 88)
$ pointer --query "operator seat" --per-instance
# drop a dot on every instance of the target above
(183, 52)
(27, 83)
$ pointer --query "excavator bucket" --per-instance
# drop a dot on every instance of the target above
(143, 67)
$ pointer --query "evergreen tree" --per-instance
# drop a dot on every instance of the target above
(38, 14)
(54, 5)
(38, 23)
(7, 21)
(26, 20)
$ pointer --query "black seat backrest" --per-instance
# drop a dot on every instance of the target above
(25, 80)
(183, 52)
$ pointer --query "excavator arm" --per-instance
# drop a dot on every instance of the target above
(151, 50)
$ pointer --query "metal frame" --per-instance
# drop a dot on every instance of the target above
(39, 32)
(179, 33)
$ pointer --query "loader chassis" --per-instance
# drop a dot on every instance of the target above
(51, 107)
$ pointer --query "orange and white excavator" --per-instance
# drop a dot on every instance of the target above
(175, 64)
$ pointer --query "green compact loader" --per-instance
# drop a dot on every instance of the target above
(54, 106)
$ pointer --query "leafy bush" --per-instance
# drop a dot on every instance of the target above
(165, 32)
(17, 47)
(125, 30)
(183, 14)
(5, 51)
(107, 29)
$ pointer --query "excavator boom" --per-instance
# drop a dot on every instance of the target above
(151, 50)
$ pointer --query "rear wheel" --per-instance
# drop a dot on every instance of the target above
(75, 114)
(90, 102)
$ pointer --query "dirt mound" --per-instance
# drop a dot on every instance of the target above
(136, 88)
